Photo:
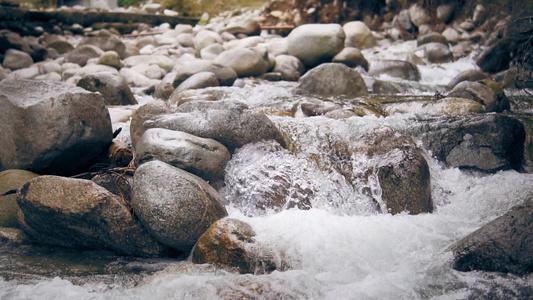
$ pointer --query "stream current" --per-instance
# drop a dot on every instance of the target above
(339, 249)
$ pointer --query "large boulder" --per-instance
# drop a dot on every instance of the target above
(483, 142)
(502, 245)
(175, 206)
(15, 59)
(358, 35)
(230, 243)
(395, 68)
(205, 158)
(290, 67)
(231, 123)
(10, 182)
(226, 75)
(488, 93)
(78, 213)
(51, 127)
(314, 44)
(81, 54)
(113, 88)
(332, 79)
(244, 61)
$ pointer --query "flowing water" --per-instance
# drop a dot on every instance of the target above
(339, 249)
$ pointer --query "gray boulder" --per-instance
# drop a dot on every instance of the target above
(10, 182)
(81, 54)
(205, 158)
(175, 206)
(244, 61)
(15, 59)
(226, 76)
(290, 67)
(352, 57)
(78, 213)
(395, 68)
(503, 245)
(314, 44)
(198, 81)
(51, 127)
(146, 112)
(231, 123)
(113, 88)
(332, 79)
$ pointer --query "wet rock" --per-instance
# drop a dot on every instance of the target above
(502, 245)
(290, 67)
(175, 206)
(244, 61)
(15, 59)
(316, 43)
(230, 243)
(486, 92)
(446, 106)
(106, 43)
(438, 53)
(110, 58)
(205, 158)
(231, 123)
(165, 88)
(358, 35)
(14, 237)
(113, 88)
(332, 79)
(352, 57)
(341, 114)
(51, 127)
(315, 107)
(118, 183)
(146, 112)
(78, 213)
(226, 75)
(10, 182)
(81, 54)
(484, 142)
(395, 68)
(468, 75)
(432, 37)
(198, 81)
(496, 57)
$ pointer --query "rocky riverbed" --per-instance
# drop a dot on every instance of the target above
(236, 162)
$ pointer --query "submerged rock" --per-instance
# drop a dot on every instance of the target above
(78, 213)
(51, 127)
(503, 245)
(332, 79)
(175, 206)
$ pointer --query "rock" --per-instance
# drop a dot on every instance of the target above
(175, 206)
(290, 67)
(211, 52)
(404, 20)
(14, 237)
(352, 57)
(146, 112)
(419, 15)
(230, 243)
(451, 35)
(87, 70)
(10, 182)
(332, 79)
(445, 12)
(480, 14)
(502, 245)
(446, 106)
(496, 57)
(26, 73)
(162, 61)
(495, 102)
(244, 61)
(226, 76)
(248, 27)
(165, 88)
(51, 127)
(49, 67)
(315, 43)
(50, 77)
(205, 158)
(11, 40)
(4, 73)
(395, 68)
(432, 37)
(208, 94)
(205, 38)
(137, 79)
(106, 43)
(110, 58)
(231, 123)
(468, 75)
(119, 184)
(61, 46)
(113, 88)
(186, 40)
(438, 53)
(358, 35)
(487, 142)
(467, 25)
(81, 54)
(15, 59)
(314, 107)
(340, 114)
(197, 81)
(78, 213)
